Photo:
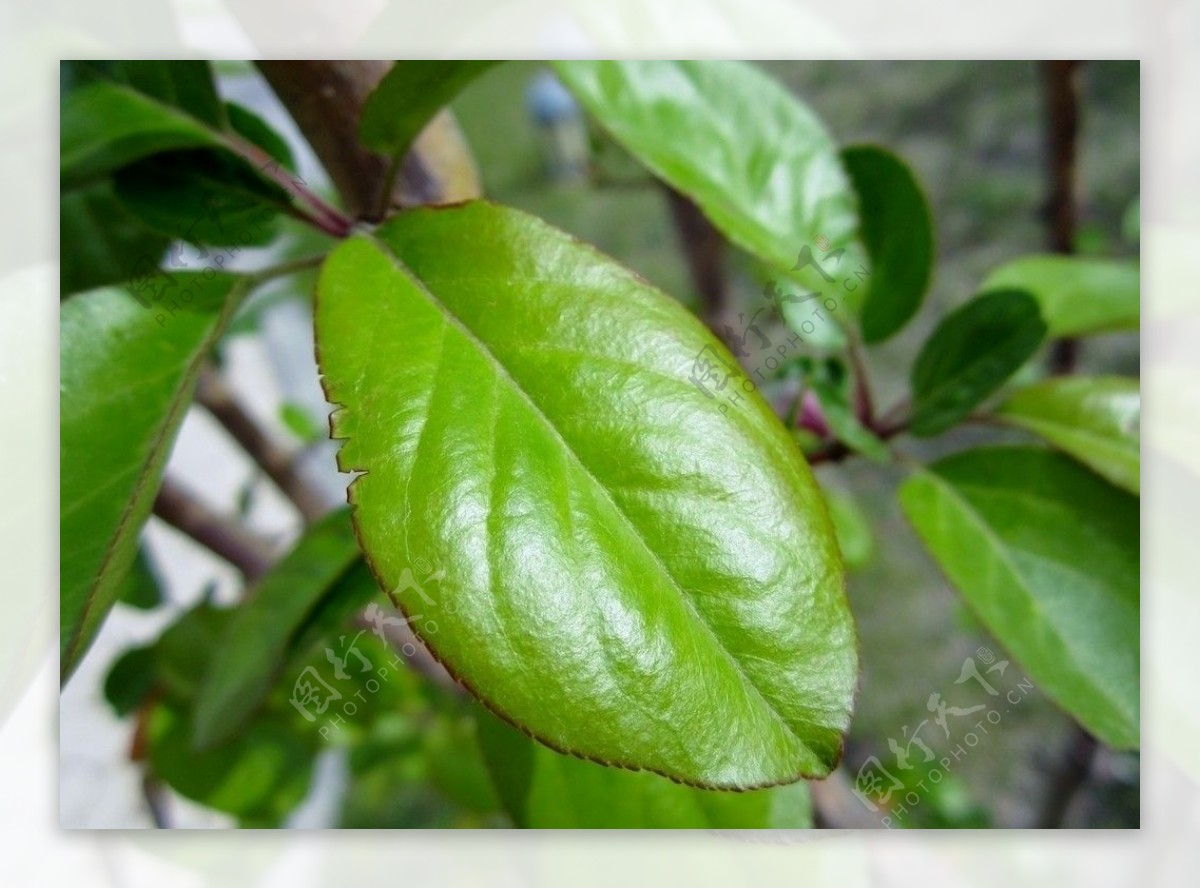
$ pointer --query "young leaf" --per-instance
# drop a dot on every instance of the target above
(758, 162)
(408, 97)
(636, 571)
(130, 680)
(855, 537)
(970, 355)
(256, 643)
(1076, 294)
(1094, 419)
(1047, 555)
(831, 385)
(140, 588)
(127, 374)
(542, 789)
(897, 231)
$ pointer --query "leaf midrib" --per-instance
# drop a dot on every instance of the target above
(502, 371)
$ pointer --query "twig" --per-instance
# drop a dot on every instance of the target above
(1070, 775)
(864, 405)
(279, 464)
(234, 543)
(1061, 83)
(704, 248)
(326, 217)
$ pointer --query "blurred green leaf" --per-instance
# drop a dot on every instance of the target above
(408, 97)
(897, 231)
(1094, 419)
(102, 242)
(758, 162)
(970, 355)
(130, 679)
(185, 651)
(544, 789)
(257, 643)
(262, 774)
(127, 375)
(855, 537)
(1047, 553)
(299, 422)
(1076, 294)
(140, 588)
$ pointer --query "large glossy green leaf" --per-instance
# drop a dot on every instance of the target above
(1094, 419)
(408, 97)
(758, 162)
(1047, 554)
(897, 230)
(127, 373)
(102, 242)
(970, 355)
(258, 641)
(1077, 294)
(541, 789)
(631, 569)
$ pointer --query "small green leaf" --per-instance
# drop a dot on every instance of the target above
(130, 680)
(542, 789)
(140, 588)
(299, 423)
(897, 231)
(127, 375)
(102, 242)
(408, 97)
(1077, 295)
(1047, 554)
(1094, 419)
(855, 537)
(970, 355)
(628, 570)
(758, 162)
(258, 640)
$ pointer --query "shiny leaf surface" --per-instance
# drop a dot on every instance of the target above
(758, 162)
(627, 570)
(127, 374)
(1047, 554)
(1094, 419)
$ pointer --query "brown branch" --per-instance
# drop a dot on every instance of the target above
(278, 463)
(326, 99)
(1070, 775)
(1061, 86)
(247, 552)
(704, 248)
